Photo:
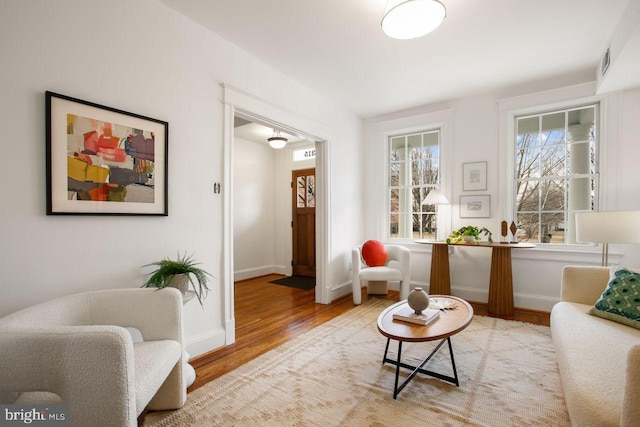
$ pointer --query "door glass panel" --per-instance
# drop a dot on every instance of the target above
(300, 187)
(311, 191)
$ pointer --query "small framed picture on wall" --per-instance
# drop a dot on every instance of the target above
(475, 206)
(474, 176)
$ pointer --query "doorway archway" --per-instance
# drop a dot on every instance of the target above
(244, 105)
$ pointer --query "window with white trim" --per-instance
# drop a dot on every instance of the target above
(556, 172)
(414, 170)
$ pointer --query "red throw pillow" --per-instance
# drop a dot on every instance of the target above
(374, 253)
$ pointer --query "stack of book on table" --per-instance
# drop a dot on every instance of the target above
(407, 314)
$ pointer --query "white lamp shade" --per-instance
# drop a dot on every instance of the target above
(277, 141)
(409, 19)
(608, 227)
(435, 197)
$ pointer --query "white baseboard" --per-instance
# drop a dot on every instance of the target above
(250, 273)
(204, 343)
(528, 301)
(340, 290)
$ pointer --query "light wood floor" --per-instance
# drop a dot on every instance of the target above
(268, 315)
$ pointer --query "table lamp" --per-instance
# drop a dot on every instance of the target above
(435, 197)
(608, 227)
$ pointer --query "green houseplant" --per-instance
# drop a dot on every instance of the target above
(470, 232)
(179, 274)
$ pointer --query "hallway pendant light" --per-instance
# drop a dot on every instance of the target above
(410, 19)
(277, 141)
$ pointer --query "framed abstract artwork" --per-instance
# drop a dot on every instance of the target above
(475, 206)
(104, 161)
(474, 176)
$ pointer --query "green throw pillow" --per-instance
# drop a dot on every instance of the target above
(620, 302)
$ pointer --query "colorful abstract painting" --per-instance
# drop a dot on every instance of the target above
(109, 161)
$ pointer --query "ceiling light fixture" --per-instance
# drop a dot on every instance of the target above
(410, 19)
(277, 140)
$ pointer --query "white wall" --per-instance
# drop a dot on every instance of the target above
(254, 209)
(477, 135)
(144, 58)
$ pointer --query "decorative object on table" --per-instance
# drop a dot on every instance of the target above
(442, 304)
(178, 274)
(504, 232)
(469, 234)
(474, 176)
(104, 161)
(424, 318)
(514, 230)
(608, 227)
(475, 206)
(418, 300)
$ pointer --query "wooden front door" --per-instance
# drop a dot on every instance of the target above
(303, 184)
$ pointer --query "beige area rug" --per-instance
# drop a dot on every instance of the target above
(333, 376)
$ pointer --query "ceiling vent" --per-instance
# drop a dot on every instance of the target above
(604, 64)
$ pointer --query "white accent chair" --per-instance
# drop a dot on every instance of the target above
(397, 268)
(75, 350)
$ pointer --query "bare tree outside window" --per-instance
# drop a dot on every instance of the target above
(414, 163)
(555, 172)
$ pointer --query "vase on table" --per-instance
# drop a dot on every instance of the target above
(418, 300)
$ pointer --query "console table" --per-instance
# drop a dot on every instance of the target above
(501, 279)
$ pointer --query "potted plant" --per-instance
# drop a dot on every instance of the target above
(469, 234)
(179, 274)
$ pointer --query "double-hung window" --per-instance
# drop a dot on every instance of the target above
(556, 172)
(414, 170)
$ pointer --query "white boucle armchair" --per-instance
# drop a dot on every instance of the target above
(397, 268)
(76, 349)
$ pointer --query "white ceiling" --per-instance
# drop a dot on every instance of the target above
(258, 133)
(336, 47)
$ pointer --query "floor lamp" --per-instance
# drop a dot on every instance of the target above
(608, 227)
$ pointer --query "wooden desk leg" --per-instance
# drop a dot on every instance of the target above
(440, 282)
(501, 282)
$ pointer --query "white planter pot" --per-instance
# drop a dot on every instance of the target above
(180, 282)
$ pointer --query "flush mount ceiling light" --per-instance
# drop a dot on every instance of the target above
(410, 19)
(277, 140)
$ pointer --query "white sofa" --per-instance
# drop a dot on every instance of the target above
(599, 360)
(76, 350)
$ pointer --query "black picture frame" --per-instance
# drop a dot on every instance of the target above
(104, 161)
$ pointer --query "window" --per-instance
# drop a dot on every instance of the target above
(556, 172)
(414, 170)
